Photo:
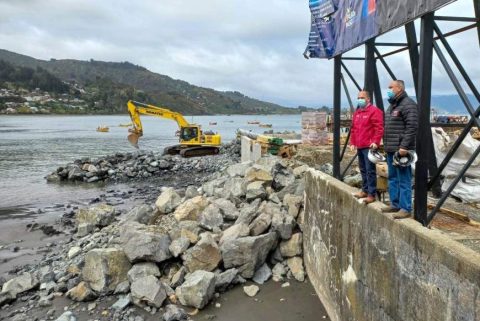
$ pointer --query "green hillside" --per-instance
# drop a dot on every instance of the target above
(112, 83)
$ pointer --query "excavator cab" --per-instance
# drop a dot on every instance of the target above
(189, 134)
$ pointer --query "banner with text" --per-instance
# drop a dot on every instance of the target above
(340, 25)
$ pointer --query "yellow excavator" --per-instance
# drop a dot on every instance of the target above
(193, 141)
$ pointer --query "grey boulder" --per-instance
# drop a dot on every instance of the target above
(247, 254)
(105, 268)
(140, 270)
(197, 290)
(148, 290)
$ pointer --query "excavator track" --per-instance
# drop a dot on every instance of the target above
(192, 151)
(199, 151)
(173, 150)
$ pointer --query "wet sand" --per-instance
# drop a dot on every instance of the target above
(21, 245)
(272, 303)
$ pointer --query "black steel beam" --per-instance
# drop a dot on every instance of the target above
(385, 65)
(353, 58)
(452, 185)
(471, 122)
(461, 19)
(378, 90)
(451, 33)
(414, 61)
(342, 176)
(472, 113)
(337, 106)
(456, 84)
(352, 110)
(457, 62)
(449, 125)
(369, 78)
(453, 149)
(476, 7)
(424, 99)
(347, 93)
(351, 77)
(391, 44)
(413, 51)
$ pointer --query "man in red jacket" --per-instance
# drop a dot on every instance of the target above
(366, 132)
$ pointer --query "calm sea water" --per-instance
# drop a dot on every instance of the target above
(33, 146)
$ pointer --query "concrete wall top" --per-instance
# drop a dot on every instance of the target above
(366, 266)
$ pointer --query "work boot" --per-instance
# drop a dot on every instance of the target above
(401, 214)
(389, 209)
(360, 194)
(369, 199)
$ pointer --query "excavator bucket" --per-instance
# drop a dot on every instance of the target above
(133, 139)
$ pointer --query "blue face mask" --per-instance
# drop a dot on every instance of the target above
(390, 94)
(361, 102)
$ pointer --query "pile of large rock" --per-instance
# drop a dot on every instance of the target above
(142, 165)
(245, 223)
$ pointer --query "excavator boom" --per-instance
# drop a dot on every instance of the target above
(193, 141)
(136, 108)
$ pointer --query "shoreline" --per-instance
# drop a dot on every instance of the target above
(48, 235)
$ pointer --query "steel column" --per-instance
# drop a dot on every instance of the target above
(424, 99)
(337, 106)
(414, 61)
(476, 7)
(369, 78)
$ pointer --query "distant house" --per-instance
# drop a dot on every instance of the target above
(10, 111)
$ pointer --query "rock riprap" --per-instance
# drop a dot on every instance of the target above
(142, 164)
(183, 247)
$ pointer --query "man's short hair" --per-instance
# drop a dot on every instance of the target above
(400, 84)
(367, 94)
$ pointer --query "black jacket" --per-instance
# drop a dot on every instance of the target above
(401, 123)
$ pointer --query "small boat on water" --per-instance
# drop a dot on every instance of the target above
(212, 123)
(265, 125)
(125, 125)
(253, 122)
(103, 129)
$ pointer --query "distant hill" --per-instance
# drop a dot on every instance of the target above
(452, 104)
(31, 78)
(116, 82)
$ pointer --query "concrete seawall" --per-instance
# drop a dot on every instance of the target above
(366, 266)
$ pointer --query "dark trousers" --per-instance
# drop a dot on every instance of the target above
(368, 171)
(399, 185)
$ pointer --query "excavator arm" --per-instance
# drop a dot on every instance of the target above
(136, 108)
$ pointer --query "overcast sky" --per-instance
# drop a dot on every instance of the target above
(251, 46)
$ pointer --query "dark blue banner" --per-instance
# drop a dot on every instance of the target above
(340, 25)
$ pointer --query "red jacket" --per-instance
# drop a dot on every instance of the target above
(367, 127)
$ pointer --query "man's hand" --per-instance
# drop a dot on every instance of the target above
(402, 152)
(373, 146)
(352, 148)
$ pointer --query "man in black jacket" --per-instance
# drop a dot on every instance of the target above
(401, 123)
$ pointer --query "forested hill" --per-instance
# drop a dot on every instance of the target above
(115, 82)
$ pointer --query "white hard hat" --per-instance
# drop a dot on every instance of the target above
(404, 161)
(374, 156)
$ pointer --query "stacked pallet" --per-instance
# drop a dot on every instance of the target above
(314, 128)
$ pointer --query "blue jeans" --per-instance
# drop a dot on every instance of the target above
(368, 171)
(399, 185)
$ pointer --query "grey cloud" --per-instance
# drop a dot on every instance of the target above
(251, 46)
